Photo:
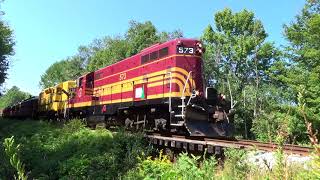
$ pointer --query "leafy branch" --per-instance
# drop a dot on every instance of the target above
(12, 151)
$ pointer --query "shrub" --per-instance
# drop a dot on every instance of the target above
(186, 167)
(12, 150)
(235, 165)
(71, 151)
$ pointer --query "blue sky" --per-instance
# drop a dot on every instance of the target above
(48, 31)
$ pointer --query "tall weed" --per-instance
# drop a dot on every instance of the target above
(12, 151)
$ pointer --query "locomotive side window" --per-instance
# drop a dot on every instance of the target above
(163, 52)
(154, 55)
(144, 59)
(79, 82)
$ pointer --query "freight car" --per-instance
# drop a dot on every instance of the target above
(25, 109)
(159, 89)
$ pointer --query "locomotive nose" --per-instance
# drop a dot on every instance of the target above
(198, 123)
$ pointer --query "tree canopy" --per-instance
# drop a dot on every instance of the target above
(237, 61)
(13, 96)
(6, 48)
(303, 74)
(63, 70)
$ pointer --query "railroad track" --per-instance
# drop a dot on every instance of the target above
(215, 146)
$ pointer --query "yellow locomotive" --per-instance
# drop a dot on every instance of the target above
(53, 101)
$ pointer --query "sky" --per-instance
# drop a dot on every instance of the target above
(48, 31)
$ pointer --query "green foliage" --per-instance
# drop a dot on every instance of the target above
(304, 67)
(303, 34)
(71, 151)
(314, 166)
(186, 167)
(261, 81)
(111, 51)
(237, 62)
(6, 48)
(160, 167)
(316, 162)
(140, 36)
(13, 96)
(12, 151)
(235, 166)
(68, 69)
(267, 125)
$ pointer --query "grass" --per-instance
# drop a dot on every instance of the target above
(45, 150)
(71, 151)
(235, 167)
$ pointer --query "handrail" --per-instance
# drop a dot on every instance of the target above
(170, 90)
(183, 96)
(185, 84)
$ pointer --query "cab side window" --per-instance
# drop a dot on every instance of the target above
(145, 59)
(163, 52)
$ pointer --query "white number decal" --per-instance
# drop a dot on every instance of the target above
(123, 76)
(191, 50)
(180, 49)
(185, 50)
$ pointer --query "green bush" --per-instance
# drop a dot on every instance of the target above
(71, 151)
(186, 167)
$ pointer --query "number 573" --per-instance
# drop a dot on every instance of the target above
(185, 50)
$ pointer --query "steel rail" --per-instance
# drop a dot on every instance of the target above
(183, 142)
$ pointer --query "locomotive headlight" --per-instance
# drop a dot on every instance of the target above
(199, 48)
(199, 45)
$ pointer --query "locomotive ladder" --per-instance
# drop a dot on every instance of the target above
(183, 103)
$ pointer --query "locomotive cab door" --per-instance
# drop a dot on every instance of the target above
(89, 84)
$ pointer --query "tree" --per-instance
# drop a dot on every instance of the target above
(68, 69)
(140, 36)
(304, 50)
(106, 51)
(303, 53)
(165, 36)
(109, 50)
(6, 49)
(13, 96)
(237, 60)
(298, 73)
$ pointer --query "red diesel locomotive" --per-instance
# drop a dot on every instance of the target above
(160, 88)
